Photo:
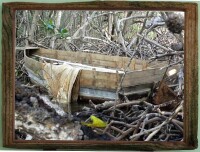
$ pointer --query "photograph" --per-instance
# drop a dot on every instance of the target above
(99, 75)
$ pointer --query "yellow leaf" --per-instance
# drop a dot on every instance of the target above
(96, 122)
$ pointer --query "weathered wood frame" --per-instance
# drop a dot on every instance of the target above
(191, 76)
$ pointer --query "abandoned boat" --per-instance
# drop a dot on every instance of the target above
(97, 77)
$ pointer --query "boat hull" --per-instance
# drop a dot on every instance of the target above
(100, 74)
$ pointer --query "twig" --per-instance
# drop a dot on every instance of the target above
(40, 45)
(157, 128)
(167, 54)
(155, 43)
(172, 64)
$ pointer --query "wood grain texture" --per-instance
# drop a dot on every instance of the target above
(191, 76)
(8, 77)
(91, 59)
(96, 78)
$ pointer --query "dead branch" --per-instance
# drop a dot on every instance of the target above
(167, 54)
(155, 43)
(154, 130)
(39, 45)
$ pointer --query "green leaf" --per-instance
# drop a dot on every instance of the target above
(51, 21)
(64, 30)
(49, 26)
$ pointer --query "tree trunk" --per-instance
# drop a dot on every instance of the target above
(77, 34)
(58, 16)
(127, 23)
(34, 25)
(26, 27)
(84, 20)
(110, 25)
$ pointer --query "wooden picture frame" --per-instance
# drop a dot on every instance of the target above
(190, 77)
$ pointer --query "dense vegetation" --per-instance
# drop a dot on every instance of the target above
(109, 32)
